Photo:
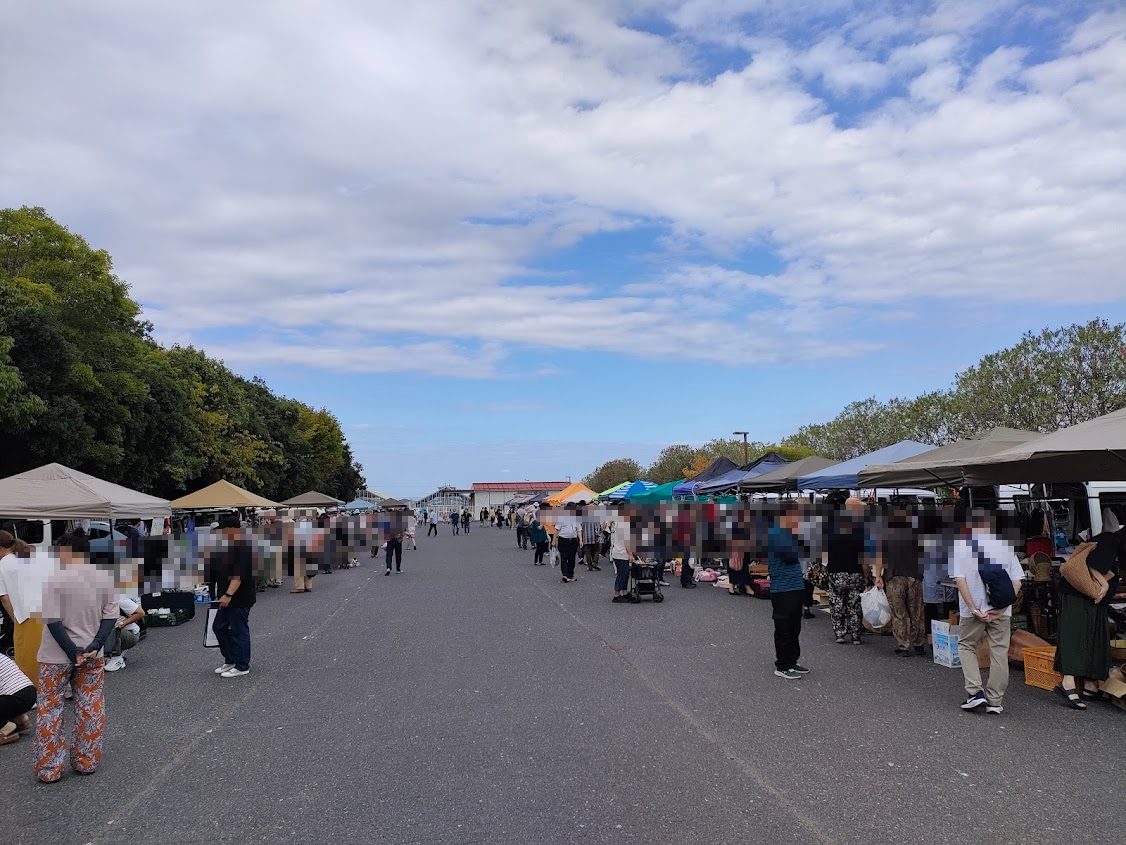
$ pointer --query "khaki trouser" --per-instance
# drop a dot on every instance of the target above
(998, 634)
(27, 636)
(301, 581)
(908, 620)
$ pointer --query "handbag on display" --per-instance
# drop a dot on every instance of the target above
(1084, 579)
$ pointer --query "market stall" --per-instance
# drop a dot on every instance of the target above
(54, 491)
(845, 475)
(944, 464)
(222, 495)
(714, 470)
(784, 478)
(730, 480)
(577, 492)
(312, 499)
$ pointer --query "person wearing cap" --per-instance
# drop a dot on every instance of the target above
(1083, 647)
(234, 574)
(80, 609)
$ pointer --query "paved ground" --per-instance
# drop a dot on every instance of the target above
(475, 699)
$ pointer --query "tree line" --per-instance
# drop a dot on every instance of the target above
(1046, 381)
(83, 383)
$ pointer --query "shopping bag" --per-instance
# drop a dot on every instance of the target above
(209, 638)
(875, 607)
(554, 557)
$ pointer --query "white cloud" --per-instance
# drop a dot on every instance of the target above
(399, 168)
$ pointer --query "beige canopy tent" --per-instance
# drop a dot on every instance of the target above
(1090, 451)
(784, 477)
(54, 491)
(221, 494)
(577, 492)
(312, 499)
(944, 464)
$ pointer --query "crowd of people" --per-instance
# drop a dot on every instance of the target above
(73, 620)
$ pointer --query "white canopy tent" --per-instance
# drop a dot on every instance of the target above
(55, 491)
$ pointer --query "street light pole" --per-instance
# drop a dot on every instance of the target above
(746, 459)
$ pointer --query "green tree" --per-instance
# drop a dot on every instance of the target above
(671, 464)
(613, 473)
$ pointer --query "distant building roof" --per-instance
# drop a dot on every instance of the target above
(518, 486)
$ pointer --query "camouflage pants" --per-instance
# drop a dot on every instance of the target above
(844, 603)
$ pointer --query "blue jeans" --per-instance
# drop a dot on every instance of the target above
(621, 575)
(232, 630)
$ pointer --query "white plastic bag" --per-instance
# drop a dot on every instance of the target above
(874, 605)
(554, 557)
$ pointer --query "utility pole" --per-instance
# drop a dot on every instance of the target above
(746, 459)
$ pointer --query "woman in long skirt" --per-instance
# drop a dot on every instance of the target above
(1083, 650)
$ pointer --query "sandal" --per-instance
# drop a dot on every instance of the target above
(7, 738)
(1072, 698)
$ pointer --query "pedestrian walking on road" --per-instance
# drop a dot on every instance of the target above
(465, 520)
(433, 529)
(235, 575)
(540, 540)
(899, 573)
(591, 529)
(978, 548)
(395, 550)
(80, 609)
(848, 569)
(568, 538)
(621, 553)
(787, 589)
(455, 521)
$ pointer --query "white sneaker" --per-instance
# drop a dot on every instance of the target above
(234, 673)
(115, 663)
(226, 667)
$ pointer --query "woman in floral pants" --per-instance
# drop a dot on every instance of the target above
(80, 607)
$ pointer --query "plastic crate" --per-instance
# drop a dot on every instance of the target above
(1038, 671)
(174, 617)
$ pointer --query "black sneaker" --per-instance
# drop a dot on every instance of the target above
(809, 614)
(920, 649)
(691, 586)
(974, 701)
(388, 572)
(801, 670)
(903, 652)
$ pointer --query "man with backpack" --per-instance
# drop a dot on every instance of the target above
(988, 577)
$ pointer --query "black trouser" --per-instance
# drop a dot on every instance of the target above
(568, 548)
(16, 704)
(395, 548)
(541, 550)
(807, 595)
(465, 525)
(520, 531)
(455, 525)
(686, 572)
(433, 529)
(787, 627)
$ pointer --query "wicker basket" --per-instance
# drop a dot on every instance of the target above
(1038, 671)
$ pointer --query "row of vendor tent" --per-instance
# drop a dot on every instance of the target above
(732, 479)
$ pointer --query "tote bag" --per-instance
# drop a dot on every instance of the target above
(209, 638)
(1079, 575)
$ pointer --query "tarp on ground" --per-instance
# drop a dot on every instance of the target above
(358, 505)
(577, 492)
(944, 464)
(845, 475)
(661, 493)
(221, 494)
(731, 480)
(785, 477)
(625, 491)
(312, 499)
(713, 470)
(54, 491)
(1090, 451)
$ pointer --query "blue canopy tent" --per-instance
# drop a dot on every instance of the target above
(625, 492)
(845, 476)
(358, 505)
(715, 469)
(731, 480)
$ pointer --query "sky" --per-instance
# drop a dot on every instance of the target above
(511, 240)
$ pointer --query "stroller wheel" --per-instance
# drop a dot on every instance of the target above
(636, 599)
(658, 597)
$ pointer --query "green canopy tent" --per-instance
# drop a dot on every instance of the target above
(657, 494)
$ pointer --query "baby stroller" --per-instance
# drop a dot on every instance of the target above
(643, 581)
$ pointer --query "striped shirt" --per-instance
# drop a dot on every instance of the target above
(12, 680)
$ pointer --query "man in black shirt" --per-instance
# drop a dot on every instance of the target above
(235, 576)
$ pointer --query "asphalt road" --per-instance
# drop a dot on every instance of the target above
(475, 699)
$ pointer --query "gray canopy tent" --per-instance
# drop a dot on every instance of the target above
(944, 464)
(312, 499)
(1090, 451)
(785, 477)
(54, 491)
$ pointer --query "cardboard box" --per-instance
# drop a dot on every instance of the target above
(944, 640)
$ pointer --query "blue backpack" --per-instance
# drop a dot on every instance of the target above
(998, 586)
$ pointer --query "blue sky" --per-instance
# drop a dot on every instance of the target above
(513, 240)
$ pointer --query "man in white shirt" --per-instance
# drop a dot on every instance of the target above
(981, 545)
(126, 632)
